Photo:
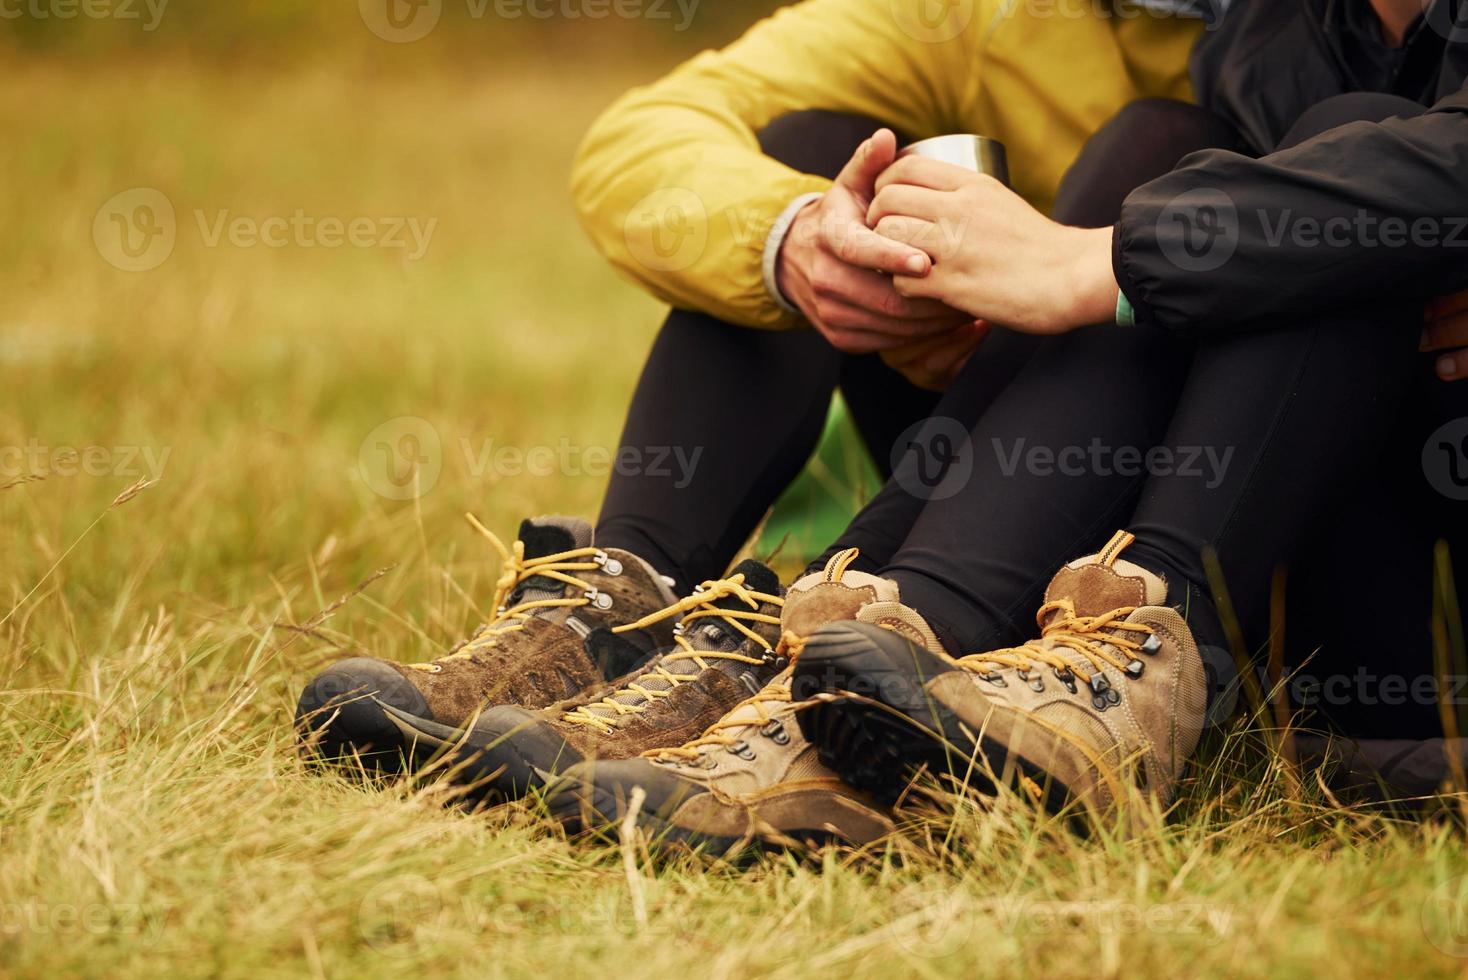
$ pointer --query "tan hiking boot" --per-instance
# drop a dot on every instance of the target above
(1108, 701)
(724, 651)
(562, 609)
(752, 776)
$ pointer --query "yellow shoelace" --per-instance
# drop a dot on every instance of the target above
(515, 569)
(737, 718)
(1098, 639)
(698, 605)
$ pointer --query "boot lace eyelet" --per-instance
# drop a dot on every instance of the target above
(776, 733)
(1035, 681)
(743, 750)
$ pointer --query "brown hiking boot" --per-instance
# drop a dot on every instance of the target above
(752, 776)
(1109, 700)
(560, 626)
(724, 651)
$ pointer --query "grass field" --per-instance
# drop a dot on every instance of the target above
(154, 819)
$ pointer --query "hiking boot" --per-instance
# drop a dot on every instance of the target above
(724, 651)
(752, 776)
(560, 626)
(1109, 700)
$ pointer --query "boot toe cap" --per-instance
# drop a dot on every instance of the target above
(599, 792)
(340, 712)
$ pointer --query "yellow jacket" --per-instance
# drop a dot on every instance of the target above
(672, 187)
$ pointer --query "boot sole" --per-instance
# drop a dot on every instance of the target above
(496, 772)
(664, 837)
(879, 743)
(570, 808)
(361, 734)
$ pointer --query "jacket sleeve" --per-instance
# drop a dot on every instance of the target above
(670, 183)
(1362, 212)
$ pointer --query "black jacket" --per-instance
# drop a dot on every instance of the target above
(1365, 213)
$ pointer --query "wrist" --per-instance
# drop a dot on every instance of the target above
(1090, 287)
(775, 259)
(792, 262)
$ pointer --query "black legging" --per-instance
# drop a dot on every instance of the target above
(1297, 417)
(753, 404)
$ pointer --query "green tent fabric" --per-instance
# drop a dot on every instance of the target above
(816, 508)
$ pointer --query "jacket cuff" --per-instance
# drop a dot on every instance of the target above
(1126, 314)
(1129, 300)
(770, 264)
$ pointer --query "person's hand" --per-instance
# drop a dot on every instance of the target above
(1447, 330)
(934, 362)
(994, 257)
(831, 266)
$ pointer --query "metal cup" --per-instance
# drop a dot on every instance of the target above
(977, 153)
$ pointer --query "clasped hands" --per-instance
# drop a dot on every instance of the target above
(916, 259)
(889, 260)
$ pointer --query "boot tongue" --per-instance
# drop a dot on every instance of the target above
(544, 536)
(711, 633)
(551, 535)
(758, 577)
(1099, 583)
(708, 633)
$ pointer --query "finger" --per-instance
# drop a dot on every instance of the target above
(907, 201)
(856, 244)
(909, 231)
(955, 346)
(933, 364)
(874, 292)
(915, 287)
(933, 238)
(1446, 333)
(860, 341)
(1453, 367)
(870, 159)
(1448, 305)
(873, 331)
(925, 172)
(919, 351)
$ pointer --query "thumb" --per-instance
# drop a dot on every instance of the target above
(875, 155)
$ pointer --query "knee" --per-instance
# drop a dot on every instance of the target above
(1164, 129)
(1143, 141)
(816, 141)
(1338, 110)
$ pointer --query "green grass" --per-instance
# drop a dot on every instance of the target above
(154, 819)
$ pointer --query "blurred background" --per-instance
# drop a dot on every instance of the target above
(426, 31)
(309, 273)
